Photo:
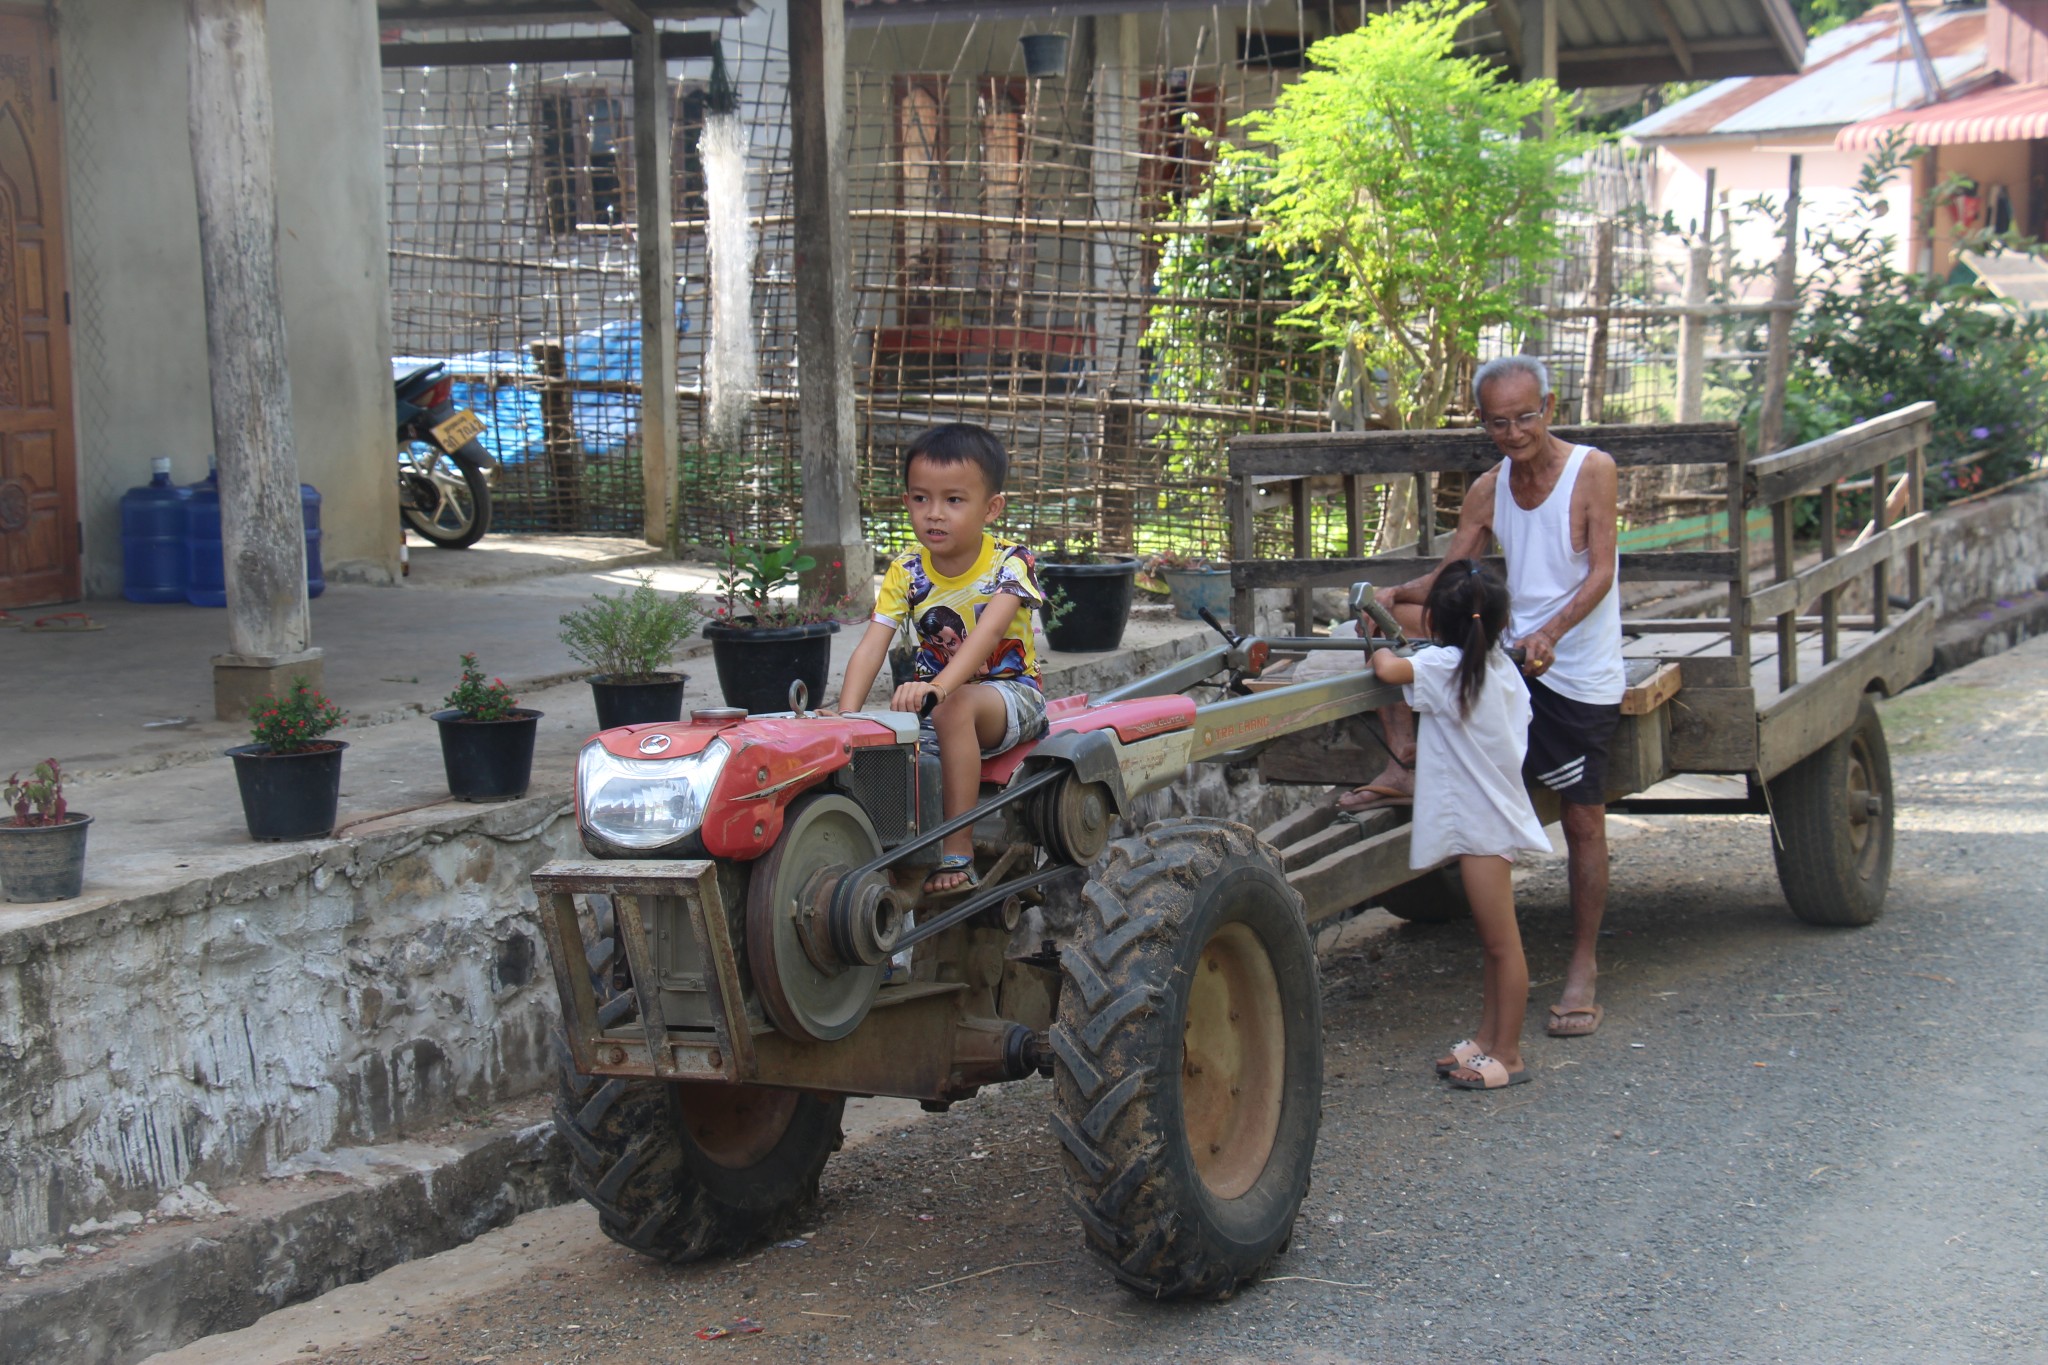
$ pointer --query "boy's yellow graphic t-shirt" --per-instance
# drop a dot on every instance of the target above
(941, 611)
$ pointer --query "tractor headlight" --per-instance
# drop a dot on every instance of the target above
(639, 803)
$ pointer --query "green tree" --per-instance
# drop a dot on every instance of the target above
(1406, 170)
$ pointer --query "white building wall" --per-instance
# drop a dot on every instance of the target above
(139, 333)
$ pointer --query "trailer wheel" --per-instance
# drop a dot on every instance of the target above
(1435, 897)
(1833, 817)
(1189, 1059)
(679, 1171)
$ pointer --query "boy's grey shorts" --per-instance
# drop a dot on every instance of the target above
(1022, 703)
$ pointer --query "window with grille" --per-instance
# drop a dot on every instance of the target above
(584, 159)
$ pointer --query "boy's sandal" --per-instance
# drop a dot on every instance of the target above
(962, 863)
(1492, 1075)
(1462, 1054)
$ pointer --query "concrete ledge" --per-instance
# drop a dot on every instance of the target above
(1992, 629)
(344, 1217)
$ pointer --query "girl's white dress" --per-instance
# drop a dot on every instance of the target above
(1469, 797)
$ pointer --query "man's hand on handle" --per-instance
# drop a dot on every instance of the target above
(1539, 651)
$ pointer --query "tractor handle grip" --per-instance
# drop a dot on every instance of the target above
(929, 704)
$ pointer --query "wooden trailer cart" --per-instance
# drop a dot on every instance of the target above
(1776, 693)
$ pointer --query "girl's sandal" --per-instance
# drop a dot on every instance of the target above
(1462, 1054)
(961, 863)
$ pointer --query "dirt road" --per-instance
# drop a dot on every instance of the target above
(1785, 1144)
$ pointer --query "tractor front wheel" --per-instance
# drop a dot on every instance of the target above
(1189, 1063)
(683, 1170)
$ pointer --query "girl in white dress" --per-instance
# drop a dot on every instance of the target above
(1470, 803)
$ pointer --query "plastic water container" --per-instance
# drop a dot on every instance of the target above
(309, 508)
(206, 583)
(153, 554)
(206, 578)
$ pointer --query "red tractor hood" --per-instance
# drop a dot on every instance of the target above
(775, 759)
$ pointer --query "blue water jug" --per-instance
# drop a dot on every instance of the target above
(206, 583)
(309, 507)
(206, 579)
(153, 554)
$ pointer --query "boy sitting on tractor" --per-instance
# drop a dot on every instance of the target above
(968, 596)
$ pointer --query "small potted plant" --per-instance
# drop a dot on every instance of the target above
(42, 848)
(1195, 577)
(486, 738)
(628, 639)
(289, 773)
(1098, 588)
(763, 643)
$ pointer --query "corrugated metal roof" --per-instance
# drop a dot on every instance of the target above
(1599, 42)
(2001, 113)
(491, 13)
(1858, 71)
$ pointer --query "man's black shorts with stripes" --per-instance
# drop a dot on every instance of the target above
(1568, 745)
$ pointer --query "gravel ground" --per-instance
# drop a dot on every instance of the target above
(1785, 1143)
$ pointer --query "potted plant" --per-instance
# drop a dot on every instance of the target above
(486, 738)
(1195, 578)
(628, 639)
(42, 848)
(762, 643)
(1098, 588)
(289, 774)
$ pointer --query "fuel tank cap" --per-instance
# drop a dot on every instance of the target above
(718, 715)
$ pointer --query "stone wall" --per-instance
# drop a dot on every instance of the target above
(213, 1031)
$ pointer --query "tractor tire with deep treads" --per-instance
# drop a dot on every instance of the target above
(1188, 1059)
(679, 1171)
(1831, 814)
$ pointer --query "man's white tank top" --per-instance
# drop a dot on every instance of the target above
(1544, 572)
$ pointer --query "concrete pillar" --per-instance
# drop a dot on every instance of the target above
(824, 306)
(654, 217)
(269, 627)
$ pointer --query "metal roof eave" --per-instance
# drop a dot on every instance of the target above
(450, 14)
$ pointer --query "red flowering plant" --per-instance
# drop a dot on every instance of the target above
(40, 800)
(477, 699)
(293, 723)
(752, 577)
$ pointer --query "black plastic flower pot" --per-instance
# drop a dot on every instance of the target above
(289, 796)
(756, 665)
(43, 862)
(1099, 598)
(488, 760)
(639, 701)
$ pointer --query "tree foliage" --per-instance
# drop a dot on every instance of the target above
(1404, 171)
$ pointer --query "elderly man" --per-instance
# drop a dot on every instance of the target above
(1552, 507)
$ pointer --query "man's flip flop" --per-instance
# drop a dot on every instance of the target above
(1373, 796)
(1461, 1054)
(1560, 1025)
(1492, 1075)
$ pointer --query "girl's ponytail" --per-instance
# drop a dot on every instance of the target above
(1468, 607)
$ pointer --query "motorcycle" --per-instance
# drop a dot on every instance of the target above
(444, 491)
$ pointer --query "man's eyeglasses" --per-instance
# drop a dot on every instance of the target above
(1526, 422)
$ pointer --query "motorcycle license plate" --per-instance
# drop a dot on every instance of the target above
(459, 430)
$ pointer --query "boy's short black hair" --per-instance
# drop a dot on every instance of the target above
(952, 443)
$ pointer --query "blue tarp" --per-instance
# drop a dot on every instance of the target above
(511, 409)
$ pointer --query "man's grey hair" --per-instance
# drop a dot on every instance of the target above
(1500, 367)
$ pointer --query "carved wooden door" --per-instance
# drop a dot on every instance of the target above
(38, 474)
